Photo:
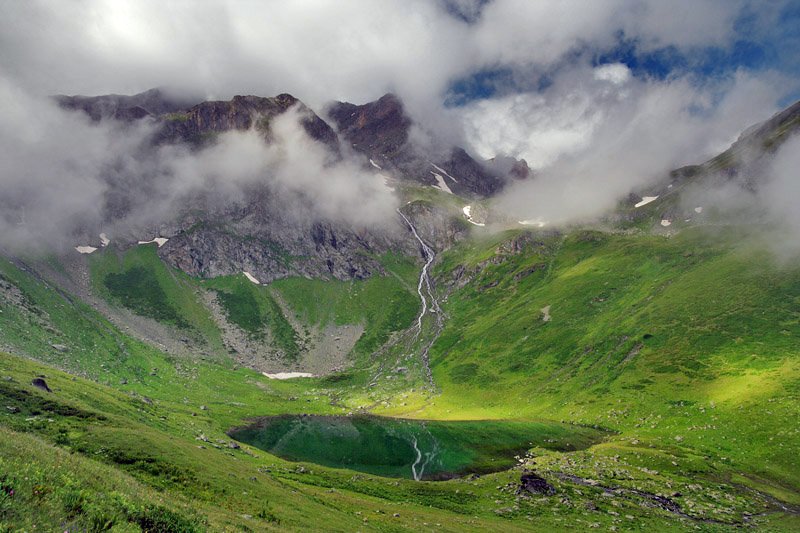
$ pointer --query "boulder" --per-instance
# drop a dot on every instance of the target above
(532, 483)
(40, 383)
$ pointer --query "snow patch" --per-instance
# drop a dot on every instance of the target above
(85, 249)
(443, 171)
(666, 222)
(646, 200)
(104, 239)
(538, 222)
(288, 375)
(441, 184)
(160, 241)
(698, 209)
(467, 210)
(374, 164)
(251, 277)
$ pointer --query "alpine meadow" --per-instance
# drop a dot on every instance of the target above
(382, 265)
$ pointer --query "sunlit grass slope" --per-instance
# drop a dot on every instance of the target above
(689, 343)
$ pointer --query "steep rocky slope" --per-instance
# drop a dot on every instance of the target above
(381, 130)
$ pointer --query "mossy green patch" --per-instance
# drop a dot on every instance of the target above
(137, 289)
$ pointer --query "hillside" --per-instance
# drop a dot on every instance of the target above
(620, 374)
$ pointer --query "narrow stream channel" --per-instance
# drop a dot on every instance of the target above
(425, 285)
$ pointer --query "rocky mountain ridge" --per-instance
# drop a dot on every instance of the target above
(260, 234)
(379, 130)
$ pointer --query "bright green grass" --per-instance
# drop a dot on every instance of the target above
(139, 280)
(93, 346)
(383, 304)
(687, 347)
(121, 457)
(689, 343)
(137, 289)
(253, 308)
(46, 488)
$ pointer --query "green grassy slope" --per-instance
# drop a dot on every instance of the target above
(99, 457)
(253, 309)
(383, 304)
(138, 280)
(58, 328)
(684, 347)
(687, 345)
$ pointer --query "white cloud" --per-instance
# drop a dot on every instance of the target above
(779, 197)
(592, 134)
(62, 176)
(52, 168)
(619, 139)
(616, 73)
(322, 49)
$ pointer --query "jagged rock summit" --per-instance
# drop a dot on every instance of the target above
(379, 130)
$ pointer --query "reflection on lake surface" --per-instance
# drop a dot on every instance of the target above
(414, 449)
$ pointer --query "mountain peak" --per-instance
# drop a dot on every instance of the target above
(156, 101)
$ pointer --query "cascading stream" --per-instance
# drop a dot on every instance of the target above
(424, 280)
(423, 286)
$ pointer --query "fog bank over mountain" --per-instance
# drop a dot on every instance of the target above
(65, 174)
(599, 98)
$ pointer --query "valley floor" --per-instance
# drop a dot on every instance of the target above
(683, 350)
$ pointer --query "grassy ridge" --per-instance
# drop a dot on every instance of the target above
(383, 304)
(252, 308)
(58, 328)
(139, 280)
(689, 343)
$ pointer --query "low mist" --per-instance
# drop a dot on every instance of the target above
(764, 196)
(65, 178)
(597, 134)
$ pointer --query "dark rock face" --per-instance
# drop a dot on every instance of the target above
(154, 102)
(320, 251)
(472, 176)
(271, 240)
(40, 383)
(532, 483)
(199, 124)
(380, 130)
(266, 234)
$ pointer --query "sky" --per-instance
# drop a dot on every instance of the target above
(598, 96)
